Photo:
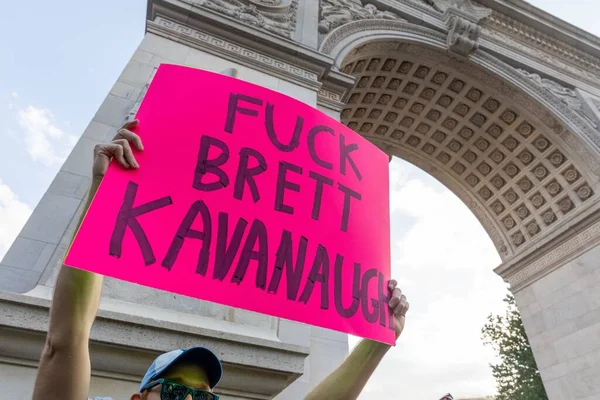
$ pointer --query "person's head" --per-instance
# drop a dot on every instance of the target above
(185, 374)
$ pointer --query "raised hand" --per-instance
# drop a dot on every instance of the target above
(119, 148)
(399, 305)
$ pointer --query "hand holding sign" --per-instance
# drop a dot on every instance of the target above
(263, 203)
(119, 148)
(399, 305)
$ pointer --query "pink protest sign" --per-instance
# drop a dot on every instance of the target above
(248, 198)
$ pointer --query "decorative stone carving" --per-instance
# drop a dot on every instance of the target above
(463, 36)
(475, 11)
(566, 95)
(335, 13)
(509, 34)
(462, 18)
(275, 65)
(276, 16)
(330, 99)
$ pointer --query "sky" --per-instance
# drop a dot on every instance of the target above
(60, 59)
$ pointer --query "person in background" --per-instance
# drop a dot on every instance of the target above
(183, 374)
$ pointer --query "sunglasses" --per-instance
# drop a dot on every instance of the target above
(171, 390)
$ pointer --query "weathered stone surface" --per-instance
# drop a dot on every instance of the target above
(276, 16)
(335, 13)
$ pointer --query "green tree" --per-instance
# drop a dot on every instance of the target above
(517, 376)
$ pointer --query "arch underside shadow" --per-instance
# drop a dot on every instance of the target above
(504, 154)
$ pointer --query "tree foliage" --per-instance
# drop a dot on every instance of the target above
(517, 376)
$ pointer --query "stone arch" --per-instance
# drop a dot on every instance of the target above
(518, 156)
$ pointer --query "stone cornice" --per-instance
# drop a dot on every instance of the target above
(246, 56)
(516, 53)
(543, 22)
(540, 40)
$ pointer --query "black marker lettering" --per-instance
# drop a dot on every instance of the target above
(312, 134)
(372, 316)
(257, 233)
(348, 193)
(127, 218)
(285, 259)
(225, 253)
(233, 108)
(185, 231)
(345, 156)
(337, 288)
(204, 165)
(294, 140)
(282, 184)
(320, 263)
(246, 175)
(319, 181)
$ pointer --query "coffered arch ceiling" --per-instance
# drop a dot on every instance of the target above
(478, 138)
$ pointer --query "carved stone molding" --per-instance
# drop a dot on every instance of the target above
(395, 27)
(536, 39)
(566, 95)
(276, 16)
(329, 95)
(220, 45)
(424, 6)
(531, 44)
(330, 99)
(475, 12)
(335, 13)
(558, 256)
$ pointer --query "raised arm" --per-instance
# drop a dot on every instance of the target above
(64, 372)
(349, 379)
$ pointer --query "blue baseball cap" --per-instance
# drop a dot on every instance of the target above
(198, 355)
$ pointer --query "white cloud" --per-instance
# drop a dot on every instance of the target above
(14, 95)
(443, 260)
(13, 215)
(45, 142)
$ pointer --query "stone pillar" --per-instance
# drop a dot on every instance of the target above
(558, 296)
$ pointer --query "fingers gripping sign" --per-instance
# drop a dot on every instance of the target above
(119, 148)
(399, 306)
